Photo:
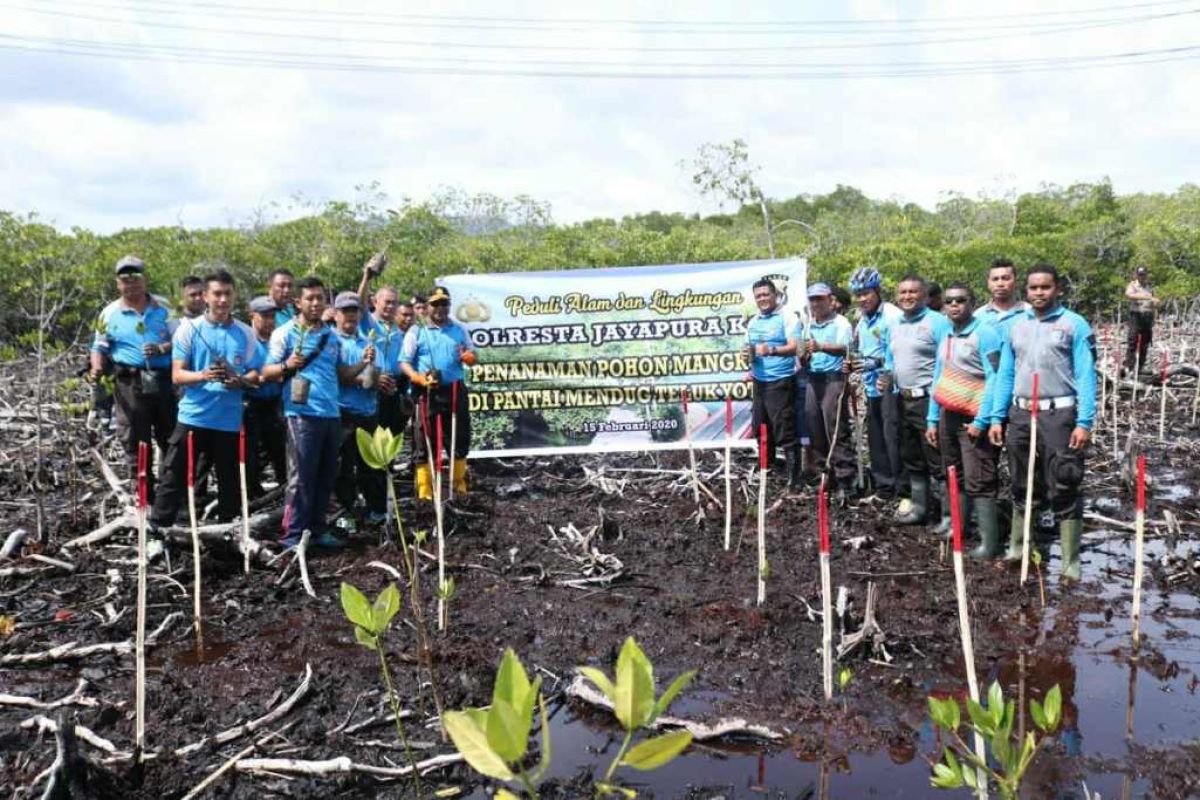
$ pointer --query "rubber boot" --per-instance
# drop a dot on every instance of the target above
(943, 527)
(1016, 536)
(424, 482)
(460, 477)
(920, 502)
(988, 522)
(1070, 533)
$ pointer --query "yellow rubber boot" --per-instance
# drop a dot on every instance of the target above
(424, 482)
(460, 476)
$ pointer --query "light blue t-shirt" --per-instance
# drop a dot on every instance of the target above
(352, 397)
(429, 347)
(321, 371)
(118, 337)
(835, 330)
(1002, 321)
(196, 346)
(270, 389)
(873, 331)
(769, 329)
(389, 341)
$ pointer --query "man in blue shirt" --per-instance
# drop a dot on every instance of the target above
(876, 321)
(960, 413)
(279, 289)
(266, 434)
(911, 354)
(771, 352)
(823, 349)
(214, 359)
(390, 320)
(362, 378)
(434, 357)
(1058, 347)
(303, 353)
(1005, 306)
(133, 334)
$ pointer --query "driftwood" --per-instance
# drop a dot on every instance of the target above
(43, 724)
(73, 650)
(869, 632)
(580, 689)
(75, 698)
(228, 533)
(271, 716)
(341, 765)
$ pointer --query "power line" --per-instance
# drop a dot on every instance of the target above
(135, 51)
(476, 45)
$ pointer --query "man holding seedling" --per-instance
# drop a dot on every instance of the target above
(1056, 348)
(362, 378)
(434, 357)
(214, 359)
(263, 414)
(303, 353)
(390, 320)
(909, 362)
(823, 349)
(876, 321)
(133, 333)
(960, 413)
(1142, 304)
(771, 351)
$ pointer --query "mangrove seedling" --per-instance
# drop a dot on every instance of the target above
(494, 740)
(1010, 757)
(378, 451)
(1035, 556)
(370, 621)
(632, 696)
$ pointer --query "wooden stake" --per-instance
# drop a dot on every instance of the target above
(1103, 360)
(762, 514)
(1163, 360)
(139, 681)
(441, 540)
(1138, 544)
(453, 433)
(728, 476)
(245, 500)
(964, 622)
(1029, 473)
(1137, 372)
(687, 435)
(826, 591)
(196, 581)
(1116, 399)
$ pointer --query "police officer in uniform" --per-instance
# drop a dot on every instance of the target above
(434, 357)
(771, 351)
(823, 349)
(266, 434)
(1058, 346)
(133, 332)
(876, 321)
(361, 377)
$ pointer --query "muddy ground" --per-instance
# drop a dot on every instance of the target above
(687, 601)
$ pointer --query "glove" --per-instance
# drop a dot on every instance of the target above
(467, 357)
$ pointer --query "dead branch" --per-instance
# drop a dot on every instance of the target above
(270, 717)
(342, 765)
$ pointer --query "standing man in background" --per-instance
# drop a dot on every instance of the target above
(1142, 305)
(771, 351)
(390, 320)
(279, 289)
(192, 304)
(826, 404)
(1005, 307)
(420, 306)
(876, 322)
(266, 433)
(358, 401)
(911, 355)
(1058, 346)
(134, 333)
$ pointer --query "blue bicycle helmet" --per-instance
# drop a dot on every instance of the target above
(865, 278)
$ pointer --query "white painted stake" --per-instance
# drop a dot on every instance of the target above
(196, 570)
(441, 539)
(728, 476)
(687, 435)
(453, 433)
(1139, 536)
(139, 680)
(762, 515)
(1033, 432)
(245, 501)
(1162, 405)
(826, 592)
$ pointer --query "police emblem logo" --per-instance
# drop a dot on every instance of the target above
(781, 285)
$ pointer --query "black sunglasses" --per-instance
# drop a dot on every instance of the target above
(955, 300)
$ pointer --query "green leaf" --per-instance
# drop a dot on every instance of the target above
(505, 794)
(386, 606)
(396, 446)
(981, 719)
(470, 739)
(653, 753)
(507, 733)
(600, 680)
(635, 686)
(947, 775)
(677, 686)
(844, 676)
(1026, 756)
(367, 640)
(366, 449)
(1002, 750)
(547, 752)
(1039, 715)
(968, 775)
(511, 684)
(1053, 707)
(995, 703)
(610, 788)
(356, 608)
(944, 713)
(383, 441)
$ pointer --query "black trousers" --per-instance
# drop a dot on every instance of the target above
(883, 440)
(827, 411)
(977, 461)
(221, 449)
(774, 405)
(143, 417)
(1139, 335)
(354, 476)
(395, 411)
(1053, 477)
(918, 457)
(438, 404)
(266, 441)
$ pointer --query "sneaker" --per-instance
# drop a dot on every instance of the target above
(327, 541)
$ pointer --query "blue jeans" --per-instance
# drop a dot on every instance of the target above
(312, 462)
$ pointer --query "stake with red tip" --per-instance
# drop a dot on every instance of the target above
(441, 539)
(139, 681)
(762, 514)
(728, 476)
(964, 622)
(245, 499)
(826, 591)
(453, 433)
(1138, 545)
(191, 496)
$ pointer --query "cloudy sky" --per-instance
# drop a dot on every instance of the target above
(144, 112)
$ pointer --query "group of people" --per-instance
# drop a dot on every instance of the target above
(948, 388)
(289, 388)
